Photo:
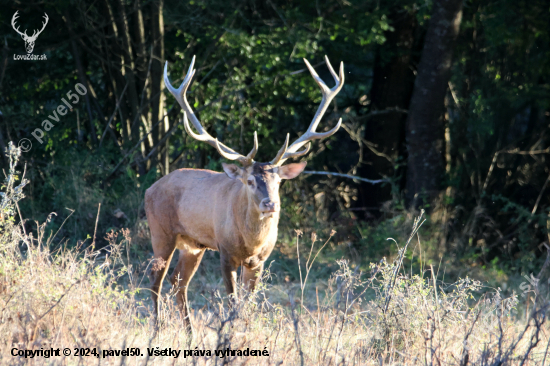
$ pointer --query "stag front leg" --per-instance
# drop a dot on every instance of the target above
(188, 263)
(163, 249)
(253, 276)
(229, 273)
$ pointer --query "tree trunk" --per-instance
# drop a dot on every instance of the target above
(157, 40)
(81, 76)
(4, 62)
(112, 49)
(392, 85)
(129, 67)
(425, 133)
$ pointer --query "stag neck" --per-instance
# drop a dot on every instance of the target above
(247, 217)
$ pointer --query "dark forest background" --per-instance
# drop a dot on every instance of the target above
(446, 101)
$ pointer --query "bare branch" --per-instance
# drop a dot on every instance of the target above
(377, 181)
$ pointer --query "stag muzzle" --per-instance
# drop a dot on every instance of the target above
(268, 208)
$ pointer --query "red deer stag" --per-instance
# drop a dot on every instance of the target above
(235, 213)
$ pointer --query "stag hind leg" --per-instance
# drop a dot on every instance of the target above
(189, 260)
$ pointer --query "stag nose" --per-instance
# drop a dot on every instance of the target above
(267, 205)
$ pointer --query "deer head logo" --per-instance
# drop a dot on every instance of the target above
(29, 40)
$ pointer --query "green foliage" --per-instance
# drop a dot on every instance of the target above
(251, 77)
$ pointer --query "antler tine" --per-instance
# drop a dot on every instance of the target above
(254, 150)
(334, 75)
(286, 155)
(180, 95)
(244, 160)
(298, 153)
(281, 152)
(310, 134)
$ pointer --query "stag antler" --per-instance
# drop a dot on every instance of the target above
(328, 94)
(180, 96)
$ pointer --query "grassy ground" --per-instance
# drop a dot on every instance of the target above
(98, 302)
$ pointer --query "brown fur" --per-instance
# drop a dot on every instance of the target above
(194, 210)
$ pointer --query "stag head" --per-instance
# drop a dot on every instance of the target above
(262, 179)
(29, 40)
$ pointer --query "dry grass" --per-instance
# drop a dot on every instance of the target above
(85, 299)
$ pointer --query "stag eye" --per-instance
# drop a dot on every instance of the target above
(250, 182)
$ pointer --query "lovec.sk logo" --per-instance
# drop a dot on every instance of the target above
(29, 40)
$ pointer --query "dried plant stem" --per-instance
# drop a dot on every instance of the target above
(416, 226)
(96, 220)
(310, 264)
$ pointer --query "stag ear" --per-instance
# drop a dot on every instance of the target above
(233, 171)
(292, 170)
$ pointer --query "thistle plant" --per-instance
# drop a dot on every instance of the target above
(10, 193)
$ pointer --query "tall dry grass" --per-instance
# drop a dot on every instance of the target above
(81, 298)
